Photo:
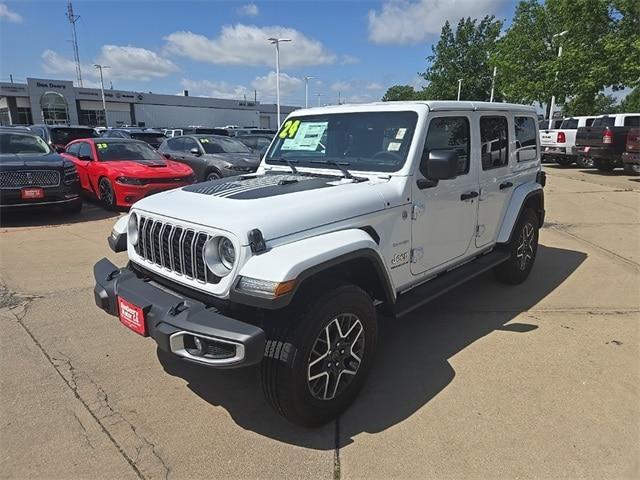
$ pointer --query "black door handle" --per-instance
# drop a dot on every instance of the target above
(505, 185)
(468, 196)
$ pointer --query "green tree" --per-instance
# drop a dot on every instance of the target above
(631, 103)
(584, 105)
(400, 92)
(464, 55)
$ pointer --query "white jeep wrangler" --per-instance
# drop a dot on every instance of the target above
(355, 209)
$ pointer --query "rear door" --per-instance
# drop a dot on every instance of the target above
(496, 174)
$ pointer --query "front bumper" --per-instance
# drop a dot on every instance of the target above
(53, 196)
(172, 320)
(127, 195)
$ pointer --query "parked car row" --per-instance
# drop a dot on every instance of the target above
(604, 142)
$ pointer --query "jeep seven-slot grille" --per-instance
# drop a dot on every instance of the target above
(174, 248)
(29, 178)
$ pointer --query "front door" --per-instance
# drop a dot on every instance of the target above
(496, 176)
(444, 215)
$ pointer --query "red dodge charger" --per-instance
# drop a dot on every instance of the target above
(120, 172)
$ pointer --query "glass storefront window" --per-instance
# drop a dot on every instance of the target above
(54, 108)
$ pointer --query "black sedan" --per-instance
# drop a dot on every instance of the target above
(32, 174)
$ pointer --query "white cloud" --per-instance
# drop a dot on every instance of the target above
(362, 98)
(250, 10)
(412, 21)
(219, 89)
(248, 45)
(266, 85)
(349, 59)
(341, 86)
(8, 15)
(374, 86)
(125, 63)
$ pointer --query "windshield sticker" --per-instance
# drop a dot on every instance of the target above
(101, 146)
(204, 140)
(400, 134)
(308, 136)
(394, 146)
(289, 129)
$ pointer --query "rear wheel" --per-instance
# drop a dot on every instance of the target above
(213, 176)
(604, 165)
(632, 169)
(523, 249)
(316, 361)
(106, 193)
(584, 162)
(564, 160)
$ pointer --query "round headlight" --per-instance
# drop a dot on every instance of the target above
(227, 252)
(132, 229)
(219, 255)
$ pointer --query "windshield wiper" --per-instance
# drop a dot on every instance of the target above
(338, 164)
(294, 170)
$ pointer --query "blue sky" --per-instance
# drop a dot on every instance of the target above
(215, 48)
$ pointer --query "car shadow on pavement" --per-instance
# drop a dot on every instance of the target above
(51, 216)
(412, 362)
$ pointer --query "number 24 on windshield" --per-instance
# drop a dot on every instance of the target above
(289, 129)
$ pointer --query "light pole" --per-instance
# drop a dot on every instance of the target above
(553, 97)
(459, 88)
(306, 91)
(276, 42)
(104, 103)
(493, 83)
(319, 95)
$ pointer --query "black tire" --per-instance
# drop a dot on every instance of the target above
(106, 194)
(523, 249)
(584, 162)
(632, 169)
(604, 165)
(73, 208)
(564, 161)
(212, 175)
(295, 354)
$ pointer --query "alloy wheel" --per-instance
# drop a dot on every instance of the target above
(335, 357)
(524, 252)
(106, 194)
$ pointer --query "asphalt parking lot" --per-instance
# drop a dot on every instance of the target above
(539, 380)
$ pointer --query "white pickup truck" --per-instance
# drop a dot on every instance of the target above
(559, 145)
(355, 209)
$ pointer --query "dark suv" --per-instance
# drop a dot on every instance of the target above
(57, 136)
(32, 174)
(149, 135)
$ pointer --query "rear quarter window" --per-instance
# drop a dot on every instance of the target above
(632, 121)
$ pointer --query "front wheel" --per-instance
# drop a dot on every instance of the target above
(106, 194)
(316, 361)
(213, 176)
(632, 169)
(522, 248)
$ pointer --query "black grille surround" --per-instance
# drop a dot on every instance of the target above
(29, 178)
(174, 248)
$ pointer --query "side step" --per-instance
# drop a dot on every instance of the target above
(446, 281)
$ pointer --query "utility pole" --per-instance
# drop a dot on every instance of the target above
(493, 83)
(319, 95)
(306, 91)
(74, 39)
(553, 97)
(276, 42)
(459, 88)
(104, 102)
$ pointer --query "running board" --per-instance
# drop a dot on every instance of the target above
(446, 281)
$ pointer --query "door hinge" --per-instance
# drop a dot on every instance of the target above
(480, 230)
(416, 255)
(416, 211)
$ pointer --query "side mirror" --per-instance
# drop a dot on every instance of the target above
(439, 165)
(84, 158)
(195, 151)
(167, 156)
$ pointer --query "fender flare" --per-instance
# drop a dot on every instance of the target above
(520, 196)
(303, 259)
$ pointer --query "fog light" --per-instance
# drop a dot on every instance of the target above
(198, 344)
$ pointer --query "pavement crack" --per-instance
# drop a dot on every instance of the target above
(336, 451)
(84, 431)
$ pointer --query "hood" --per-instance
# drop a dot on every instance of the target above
(239, 159)
(155, 169)
(279, 204)
(27, 160)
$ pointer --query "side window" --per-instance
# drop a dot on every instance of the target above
(450, 133)
(589, 122)
(38, 131)
(175, 144)
(189, 143)
(85, 151)
(526, 138)
(73, 149)
(495, 142)
(633, 121)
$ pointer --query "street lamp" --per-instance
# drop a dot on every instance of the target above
(459, 88)
(276, 42)
(493, 83)
(319, 95)
(104, 103)
(553, 97)
(306, 91)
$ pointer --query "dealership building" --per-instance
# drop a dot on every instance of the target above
(58, 101)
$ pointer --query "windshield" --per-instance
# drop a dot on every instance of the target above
(368, 141)
(21, 143)
(222, 145)
(604, 122)
(569, 124)
(126, 151)
(62, 136)
(153, 138)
